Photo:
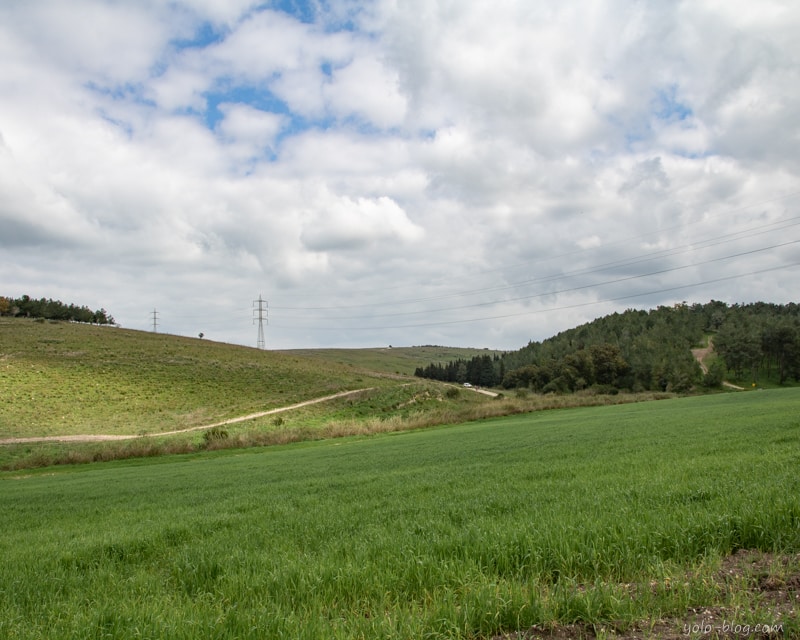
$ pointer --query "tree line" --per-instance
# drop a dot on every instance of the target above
(755, 344)
(49, 309)
(640, 350)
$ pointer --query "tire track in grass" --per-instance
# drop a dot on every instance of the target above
(109, 437)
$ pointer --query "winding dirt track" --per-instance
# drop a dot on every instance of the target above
(700, 356)
(103, 438)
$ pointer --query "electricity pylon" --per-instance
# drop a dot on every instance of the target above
(262, 310)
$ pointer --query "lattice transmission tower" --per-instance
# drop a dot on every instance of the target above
(260, 313)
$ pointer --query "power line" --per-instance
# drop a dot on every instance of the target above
(571, 289)
(154, 315)
(664, 253)
(561, 308)
(262, 311)
(619, 242)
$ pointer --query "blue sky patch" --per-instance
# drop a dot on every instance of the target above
(128, 92)
(666, 105)
(257, 97)
(320, 13)
(302, 10)
(205, 35)
(261, 98)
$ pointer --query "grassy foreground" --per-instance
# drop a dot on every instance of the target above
(608, 517)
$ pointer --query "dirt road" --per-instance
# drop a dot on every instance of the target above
(701, 354)
(104, 438)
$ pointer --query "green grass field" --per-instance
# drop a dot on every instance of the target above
(606, 518)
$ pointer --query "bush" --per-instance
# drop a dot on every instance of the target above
(452, 392)
(214, 434)
(715, 374)
(605, 389)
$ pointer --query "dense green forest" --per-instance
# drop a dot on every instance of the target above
(49, 309)
(646, 350)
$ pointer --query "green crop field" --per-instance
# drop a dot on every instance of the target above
(578, 521)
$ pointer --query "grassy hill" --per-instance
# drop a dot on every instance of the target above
(59, 378)
(400, 360)
(642, 520)
(64, 379)
(77, 381)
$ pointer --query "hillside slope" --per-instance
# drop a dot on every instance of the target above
(398, 360)
(58, 378)
(651, 350)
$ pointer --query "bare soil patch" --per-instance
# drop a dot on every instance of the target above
(701, 354)
(769, 583)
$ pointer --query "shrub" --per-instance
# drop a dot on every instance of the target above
(605, 389)
(715, 374)
(215, 434)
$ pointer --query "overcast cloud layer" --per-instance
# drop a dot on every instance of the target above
(470, 173)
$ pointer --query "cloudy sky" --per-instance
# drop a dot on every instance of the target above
(460, 172)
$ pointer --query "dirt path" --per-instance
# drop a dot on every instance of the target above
(701, 354)
(105, 438)
(485, 392)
